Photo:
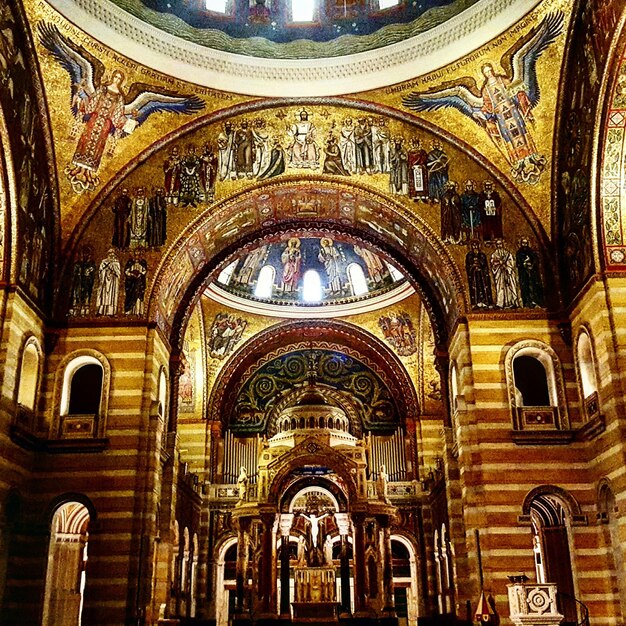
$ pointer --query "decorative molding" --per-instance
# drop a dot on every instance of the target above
(298, 311)
(542, 437)
(571, 504)
(328, 334)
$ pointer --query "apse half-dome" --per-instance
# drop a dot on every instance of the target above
(305, 270)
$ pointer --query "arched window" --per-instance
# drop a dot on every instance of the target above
(531, 381)
(536, 393)
(218, 6)
(454, 388)
(66, 570)
(84, 396)
(265, 282)
(312, 287)
(162, 397)
(85, 390)
(588, 375)
(29, 375)
(358, 282)
(303, 10)
(226, 274)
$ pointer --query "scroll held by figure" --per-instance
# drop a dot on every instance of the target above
(503, 105)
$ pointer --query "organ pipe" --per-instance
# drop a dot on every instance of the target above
(239, 452)
(388, 451)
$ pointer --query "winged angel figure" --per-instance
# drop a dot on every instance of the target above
(504, 103)
(100, 105)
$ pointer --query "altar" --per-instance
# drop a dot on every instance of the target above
(315, 594)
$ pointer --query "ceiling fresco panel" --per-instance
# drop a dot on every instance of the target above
(591, 37)
(501, 98)
(465, 207)
(613, 193)
(25, 117)
(105, 108)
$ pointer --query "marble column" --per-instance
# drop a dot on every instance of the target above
(286, 520)
(268, 589)
(389, 608)
(358, 548)
(343, 523)
(241, 575)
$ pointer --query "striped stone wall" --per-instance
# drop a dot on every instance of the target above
(121, 480)
(496, 474)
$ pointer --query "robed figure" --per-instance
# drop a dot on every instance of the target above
(135, 272)
(451, 214)
(108, 284)
(157, 220)
(398, 169)
(477, 270)
(503, 104)
(418, 172)
(490, 204)
(83, 279)
(438, 164)
(504, 277)
(303, 151)
(331, 258)
(276, 166)
(102, 106)
(171, 172)
(471, 223)
(333, 163)
(292, 261)
(529, 273)
(122, 207)
(139, 219)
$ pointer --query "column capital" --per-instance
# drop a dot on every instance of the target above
(285, 523)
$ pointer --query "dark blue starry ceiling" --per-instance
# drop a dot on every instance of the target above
(266, 28)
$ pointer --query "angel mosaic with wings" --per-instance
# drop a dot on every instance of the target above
(504, 103)
(100, 105)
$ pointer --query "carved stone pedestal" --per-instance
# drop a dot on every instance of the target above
(533, 604)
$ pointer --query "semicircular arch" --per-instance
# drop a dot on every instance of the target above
(283, 338)
(353, 210)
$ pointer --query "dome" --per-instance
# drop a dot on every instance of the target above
(296, 29)
(348, 46)
(312, 397)
(320, 275)
(312, 416)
